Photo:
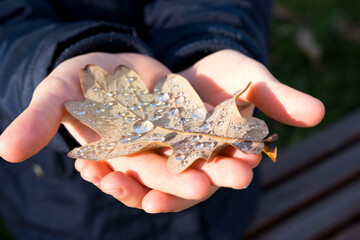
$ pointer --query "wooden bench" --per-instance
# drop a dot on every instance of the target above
(313, 191)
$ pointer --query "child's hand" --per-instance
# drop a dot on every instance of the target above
(142, 180)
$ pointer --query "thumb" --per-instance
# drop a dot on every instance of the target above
(37, 125)
(281, 102)
(217, 76)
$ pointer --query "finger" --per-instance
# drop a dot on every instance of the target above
(150, 169)
(252, 160)
(34, 128)
(227, 172)
(124, 188)
(217, 80)
(159, 202)
(92, 171)
(286, 104)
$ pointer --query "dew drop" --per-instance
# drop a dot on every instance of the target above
(211, 132)
(84, 149)
(163, 97)
(136, 136)
(184, 120)
(180, 157)
(155, 117)
(248, 137)
(109, 94)
(100, 110)
(174, 112)
(158, 111)
(143, 126)
(81, 113)
(211, 144)
(253, 125)
(130, 79)
(243, 146)
(256, 150)
(195, 116)
(183, 163)
(205, 126)
(195, 138)
(153, 104)
(156, 137)
(199, 145)
(180, 100)
(131, 119)
(124, 139)
(100, 148)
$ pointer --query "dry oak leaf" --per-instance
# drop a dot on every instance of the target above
(130, 119)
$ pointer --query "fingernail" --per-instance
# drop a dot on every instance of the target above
(114, 192)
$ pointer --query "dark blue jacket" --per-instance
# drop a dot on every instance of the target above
(44, 197)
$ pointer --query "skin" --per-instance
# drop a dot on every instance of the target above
(142, 180)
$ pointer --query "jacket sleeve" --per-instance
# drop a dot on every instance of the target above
(32, 45)
(182, 32)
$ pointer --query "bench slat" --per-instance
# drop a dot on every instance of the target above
(290, 196)
(323, 217)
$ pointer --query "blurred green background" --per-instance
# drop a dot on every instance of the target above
(315, 48)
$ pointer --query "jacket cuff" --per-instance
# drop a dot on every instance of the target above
(100, 38)
(187, 45)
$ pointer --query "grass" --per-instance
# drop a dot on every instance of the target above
(335, 80)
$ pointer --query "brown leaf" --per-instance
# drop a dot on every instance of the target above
(129, 119)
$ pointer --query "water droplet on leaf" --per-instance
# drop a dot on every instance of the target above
(143, 126)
